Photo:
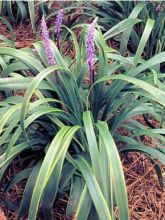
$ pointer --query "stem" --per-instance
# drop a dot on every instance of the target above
(91, 81)
(58, 43)
(58, 47)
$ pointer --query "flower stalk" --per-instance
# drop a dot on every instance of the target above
(47, 46)
(57, 25)
(46, 40)
(90, 53)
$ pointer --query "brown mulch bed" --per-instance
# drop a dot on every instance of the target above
(146, 198)
(24, 36)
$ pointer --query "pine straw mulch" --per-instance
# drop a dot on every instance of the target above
(146, 198)
(23, 34)
(14, 195)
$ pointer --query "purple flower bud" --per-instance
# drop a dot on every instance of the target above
(90, 46)
(58, 23)
(46, 40)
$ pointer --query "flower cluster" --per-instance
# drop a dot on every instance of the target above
(90, 46)
(90, 53)
(45, 38)
(58, 23)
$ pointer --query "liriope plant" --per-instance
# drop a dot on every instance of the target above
(68, 127)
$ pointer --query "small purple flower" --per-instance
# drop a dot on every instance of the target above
(46, 40)
(58, 23)
(90, 46)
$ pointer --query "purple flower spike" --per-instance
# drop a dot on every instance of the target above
(46, 40)
(90, 46)
(90, 52)
(58, 23)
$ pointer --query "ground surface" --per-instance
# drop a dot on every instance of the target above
(146, 199)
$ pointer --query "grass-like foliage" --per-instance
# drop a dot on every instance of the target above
(113, 12)
(19, 11)
(73, 150)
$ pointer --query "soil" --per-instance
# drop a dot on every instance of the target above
(23, 34)
(146, 198)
